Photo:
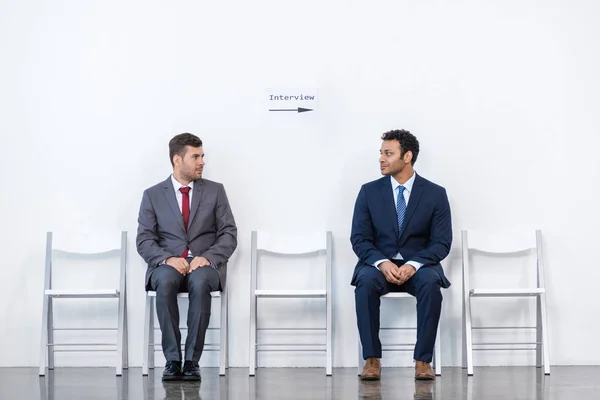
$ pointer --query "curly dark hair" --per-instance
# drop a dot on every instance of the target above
(178, 143)
(408, 142)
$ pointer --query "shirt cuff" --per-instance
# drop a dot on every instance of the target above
(415, 264)
(376, 265)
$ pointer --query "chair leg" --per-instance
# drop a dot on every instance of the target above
(438, 353)
(121, 327)
(464, 334)
(545, 344)
(44, 339)
(252, 364)
(151, 347)
(328, 347)
(227, 336)
(125, 359)
(469, 338)
(223, 332)
(50, 333)
(147, 336)
(538, 332)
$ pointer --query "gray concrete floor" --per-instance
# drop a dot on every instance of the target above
(497, 383)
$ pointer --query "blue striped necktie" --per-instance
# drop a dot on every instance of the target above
(400, 208)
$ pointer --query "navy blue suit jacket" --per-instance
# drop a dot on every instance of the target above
(427, 227)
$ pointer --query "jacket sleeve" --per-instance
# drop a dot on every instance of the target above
(226, 241)
(441, 234)
(362, 236)
(147, 238)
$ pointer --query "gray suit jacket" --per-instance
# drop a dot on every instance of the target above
(212, 232)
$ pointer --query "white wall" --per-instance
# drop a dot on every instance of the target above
(503, 96)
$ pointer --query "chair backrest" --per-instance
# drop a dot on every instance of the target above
(501, 243)
(88, 246)
(291, 245)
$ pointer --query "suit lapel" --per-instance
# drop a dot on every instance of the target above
(172, 201)
(413, 201)
(198, 189)
(389, 208)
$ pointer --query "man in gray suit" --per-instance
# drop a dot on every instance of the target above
(186, 234)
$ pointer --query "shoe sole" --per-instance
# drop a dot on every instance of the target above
(171, 378)
(424, 378)
(369, 378)
(191, 378)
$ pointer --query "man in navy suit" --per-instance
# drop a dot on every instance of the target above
(401, 230)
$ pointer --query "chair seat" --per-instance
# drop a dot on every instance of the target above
(217, 293)
(397, 295)
(290, 293)
(291, 347)
(507, 292)
(82, 294)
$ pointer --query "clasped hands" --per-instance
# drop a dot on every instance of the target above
(185, 268)
(395, 274)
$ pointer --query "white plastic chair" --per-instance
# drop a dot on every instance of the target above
(437, 364)
(513, 243)
(83, 246)
(290, 246)
(150, 346)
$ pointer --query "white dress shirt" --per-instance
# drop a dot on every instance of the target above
(407, 191)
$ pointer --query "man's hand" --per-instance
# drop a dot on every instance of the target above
(198, 262)
(180, 264)
(391, 272)
(406, 272)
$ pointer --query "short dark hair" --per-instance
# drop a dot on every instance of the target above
(178, 143)
(408, 142)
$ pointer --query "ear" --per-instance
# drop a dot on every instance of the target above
(408, 156)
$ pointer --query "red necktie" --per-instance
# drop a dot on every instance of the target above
(185, 211)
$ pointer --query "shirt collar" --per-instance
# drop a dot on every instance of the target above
(177, 185)
(408, 185)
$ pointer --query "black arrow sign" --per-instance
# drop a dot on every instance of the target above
(299, 109)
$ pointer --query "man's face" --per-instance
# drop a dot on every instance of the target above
(191, 163)
(390, 161)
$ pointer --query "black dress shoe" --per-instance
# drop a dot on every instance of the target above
(191, 371)
(172, 371)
